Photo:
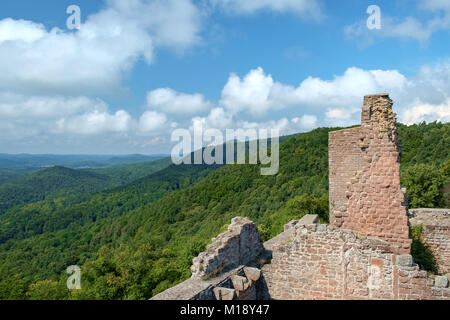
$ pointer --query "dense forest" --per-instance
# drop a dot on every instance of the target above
(139, 239)
(57, 181)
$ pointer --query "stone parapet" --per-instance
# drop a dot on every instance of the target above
(324, 262)
(240, 245)
(241, 283)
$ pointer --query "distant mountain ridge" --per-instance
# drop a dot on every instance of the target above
(59, 181)
(14, 161)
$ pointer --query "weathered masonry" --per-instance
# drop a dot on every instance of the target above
(364, 165)
(435, 233)
(364, 253)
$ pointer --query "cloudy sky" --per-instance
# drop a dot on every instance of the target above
(137, 70)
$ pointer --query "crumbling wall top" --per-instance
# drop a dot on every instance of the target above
(239, 245)
(364, 170)
(377, 108)
(429, 217)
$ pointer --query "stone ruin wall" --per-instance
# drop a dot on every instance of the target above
(242, 283)
(309, 261)
(364, 166)
(240, 245)
(322, 262)
(435, 233)
(225, 270)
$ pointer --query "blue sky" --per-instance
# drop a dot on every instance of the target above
(137, 70)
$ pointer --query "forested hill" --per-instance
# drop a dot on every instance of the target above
(59, 181)
(131, 245)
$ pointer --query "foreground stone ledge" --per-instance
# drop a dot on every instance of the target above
(232, 285)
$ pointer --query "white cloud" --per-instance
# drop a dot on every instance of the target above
(283, 125)
(152, 122)
(340, 114)
(340, 98)
(20, 30)
(171, 101)
(14, 106)
(304, 8)
(306, 122)
(426, 112)
(48, 75)
(257, 93)
(252, 93)
(96, 122)
(27, 116)
(342, 117)
(218, 118)
(94, 58)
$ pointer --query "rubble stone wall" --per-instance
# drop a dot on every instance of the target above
(240, 245)
(320, 262)
(435, 233)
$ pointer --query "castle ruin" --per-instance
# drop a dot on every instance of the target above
(364, 253)
(364, 170)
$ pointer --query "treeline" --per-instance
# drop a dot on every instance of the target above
(425, 164)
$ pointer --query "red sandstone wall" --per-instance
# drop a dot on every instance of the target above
(323, 264)
(438, 238)
(435, 233)
(365, 192)
(344, 161)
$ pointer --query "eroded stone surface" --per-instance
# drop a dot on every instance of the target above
(405, 260)
(252, 273)
(365, 192)
(435, 233)
(441, 281)
(240, 283)
(224, 293)
(240, 245)
(339, 264)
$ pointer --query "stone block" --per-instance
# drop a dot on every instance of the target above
(308, 219)
(240, 283)
(252, 274)
(441, 282)
(405, 260)
(240, 245)
(224, 293)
